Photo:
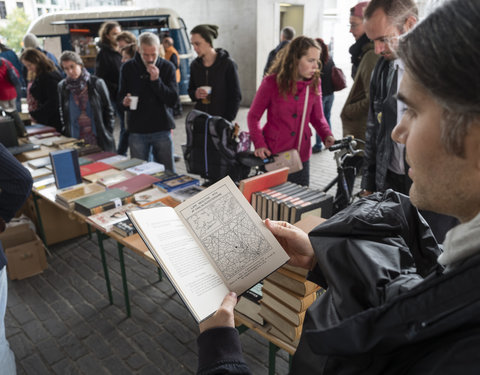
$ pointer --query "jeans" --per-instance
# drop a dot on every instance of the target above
(7, 358)
(159, 142)
(327, 102)
(123, 138)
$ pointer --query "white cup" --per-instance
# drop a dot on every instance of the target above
(133, 102)
(208, 89)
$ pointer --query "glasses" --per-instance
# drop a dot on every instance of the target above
(354, 25)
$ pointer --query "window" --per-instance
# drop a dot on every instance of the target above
(20, 5)
(39, 11)
(3, 10)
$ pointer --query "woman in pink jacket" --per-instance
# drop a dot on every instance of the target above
(282, 94)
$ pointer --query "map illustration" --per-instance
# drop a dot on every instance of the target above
(229, 234)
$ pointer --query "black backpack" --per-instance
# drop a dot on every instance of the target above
(211, 148)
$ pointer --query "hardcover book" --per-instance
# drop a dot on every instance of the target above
(294, 317)
(114, 178)
(65, 168)
(103, 201)
(39, 129)
(186, 193)
(321, 206)
(150, 167)
(94, 167)
(113, 159)
(249, 304)
(105, 220)
(294, 301)
(66, 197)
(176, 183)
(124, 164)
(293, 282)
(40, 172)
(149, 196)
(97, 156)
(135, 184)
(209, 245)
(124, 228)
(262, 181)
(94, 177)
(291, 331)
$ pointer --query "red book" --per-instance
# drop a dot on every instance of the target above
(263, 181)
(91, 168)
(135, 184)
(39, 129)
(99, 155)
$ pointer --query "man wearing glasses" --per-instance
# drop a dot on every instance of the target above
(384, 159)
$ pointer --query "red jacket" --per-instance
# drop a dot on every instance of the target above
(284, 116)
(7, 89)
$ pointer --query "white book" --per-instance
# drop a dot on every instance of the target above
(209, 245)
(147, 168)
(113, 159)
(148, 196)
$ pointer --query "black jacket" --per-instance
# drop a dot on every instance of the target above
(107, 67)
(389, 307)
(382, 118)
(222, 76)
(154, 97)
(273, 54)
(101, 107)
(44, 90)
(326, 78)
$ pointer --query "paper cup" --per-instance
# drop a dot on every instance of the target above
(133, 102)
(208, 89)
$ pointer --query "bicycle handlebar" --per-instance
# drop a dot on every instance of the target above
(348, 143)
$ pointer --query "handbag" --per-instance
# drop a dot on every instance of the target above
(291, 158)
(339, 82)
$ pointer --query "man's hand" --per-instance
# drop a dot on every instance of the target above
(126, 100)
(294, 241)
(153, 71)
(365, 193)
(262, 152)
(224, 317)
(201, 93)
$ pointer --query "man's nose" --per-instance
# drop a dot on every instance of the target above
(379, 47)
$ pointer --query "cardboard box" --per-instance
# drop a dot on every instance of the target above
(24, 250)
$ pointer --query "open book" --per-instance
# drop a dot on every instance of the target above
(209, 245)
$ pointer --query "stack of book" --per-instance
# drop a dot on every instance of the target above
(66, 197)
(291, 202)
(286, 296)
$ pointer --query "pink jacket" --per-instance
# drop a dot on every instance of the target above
(284, 116)
(7, 89)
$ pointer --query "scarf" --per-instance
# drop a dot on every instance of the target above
(76, 86)
(356, 52)
(461, 242)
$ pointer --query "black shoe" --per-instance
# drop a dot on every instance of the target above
(316, 149)
(176, 158)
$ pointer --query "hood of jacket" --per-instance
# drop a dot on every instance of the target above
(222, 56)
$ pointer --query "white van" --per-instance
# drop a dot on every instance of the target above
(76, 31)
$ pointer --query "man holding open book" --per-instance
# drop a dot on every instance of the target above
(395, 302)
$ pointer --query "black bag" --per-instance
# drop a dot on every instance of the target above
(12, 73)
(211, 148)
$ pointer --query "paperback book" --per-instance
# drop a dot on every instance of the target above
(209, 245)
(105, 220)
(147, 168)
(176, 183)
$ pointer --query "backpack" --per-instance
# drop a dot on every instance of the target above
(211, 148)
(12, 73)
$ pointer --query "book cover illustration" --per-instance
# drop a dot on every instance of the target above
(150, 167)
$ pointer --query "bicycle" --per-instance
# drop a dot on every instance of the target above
(345, 150)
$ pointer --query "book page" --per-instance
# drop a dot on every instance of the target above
(243, 250)
(184, 262)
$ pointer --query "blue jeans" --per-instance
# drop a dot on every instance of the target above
(159, 142)
(327, 102)
(7, 358)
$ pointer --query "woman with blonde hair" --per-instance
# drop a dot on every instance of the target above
(282, 94)
(42, 94)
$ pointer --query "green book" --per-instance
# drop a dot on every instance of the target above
(84, 161)
(124, 164)
(96, 203)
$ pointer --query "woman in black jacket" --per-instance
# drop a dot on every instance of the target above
(42, 105)
(85, 108)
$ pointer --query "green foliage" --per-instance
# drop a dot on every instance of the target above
(15, 29)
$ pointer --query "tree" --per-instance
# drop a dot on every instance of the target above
(15, 29)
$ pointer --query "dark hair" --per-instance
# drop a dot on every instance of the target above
(450, 75)
(42, 63)
(285, 65)
(130, 49)
(288, 33)
(127, 36)
(71, 56)
(105, 29)
(324, 56)
(397, 10)
(4, 48)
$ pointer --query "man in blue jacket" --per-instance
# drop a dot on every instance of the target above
(152, 80)
(15, 187)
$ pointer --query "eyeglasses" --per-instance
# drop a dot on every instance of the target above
(354, 25)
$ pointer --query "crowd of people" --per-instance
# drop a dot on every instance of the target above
(396, 301)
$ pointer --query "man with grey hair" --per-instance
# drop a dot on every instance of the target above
(286, 35)
(150, 81)
(395, 303)
(385, 166)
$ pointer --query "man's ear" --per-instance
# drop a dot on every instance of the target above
(410, 22)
